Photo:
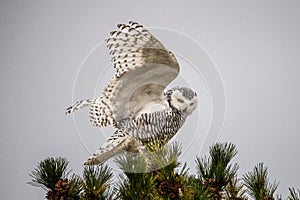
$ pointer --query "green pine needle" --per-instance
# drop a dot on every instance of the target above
(294, 195)
(216, 168)
(49, 172)
(96, 181)
(257, 183)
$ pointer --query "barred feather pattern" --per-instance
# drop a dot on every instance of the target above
(155, 128)
(100, 111)
(126, 46)
(131, 46)
(144, 67)
(80, 104)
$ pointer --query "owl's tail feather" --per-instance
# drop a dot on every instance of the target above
(119, 142)
(80, 104)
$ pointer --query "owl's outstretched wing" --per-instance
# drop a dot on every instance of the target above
(144, 69)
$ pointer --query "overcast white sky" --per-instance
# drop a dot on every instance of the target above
(255, 46)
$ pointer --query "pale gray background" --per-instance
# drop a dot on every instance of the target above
(255, 45)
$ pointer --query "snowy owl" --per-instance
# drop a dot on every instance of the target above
(134, 101)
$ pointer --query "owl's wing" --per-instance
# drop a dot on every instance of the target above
(144, 69)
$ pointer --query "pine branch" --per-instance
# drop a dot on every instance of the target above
(132, 163)
(294, 195)
(49, 172)
(170, 184)
(215, 171)
(235, 190)
(165, 158)
(141, 182)
(196, 190)
(258, 185)
(96, 181)
(155, 175)
(136, 184)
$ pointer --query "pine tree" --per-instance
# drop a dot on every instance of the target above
(96, 183)
(52, 174)
(216, 172)
(197, 190)
(135, 183)
(152, 176)
(294, 195)
(169, 183)
(235, 190)
(258, 185)
(155, 176)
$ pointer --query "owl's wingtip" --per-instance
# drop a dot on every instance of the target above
(68, 111)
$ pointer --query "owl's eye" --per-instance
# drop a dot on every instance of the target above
(180, 100)
(191, 104)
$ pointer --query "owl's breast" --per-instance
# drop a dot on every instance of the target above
(156, 127)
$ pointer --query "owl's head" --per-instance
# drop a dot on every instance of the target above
(183, 99)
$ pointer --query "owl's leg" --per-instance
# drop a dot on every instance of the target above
(120, 141)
